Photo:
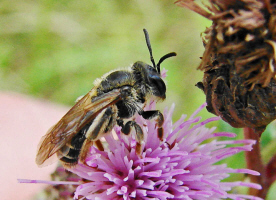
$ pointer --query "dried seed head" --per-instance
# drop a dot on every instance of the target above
(239, 60)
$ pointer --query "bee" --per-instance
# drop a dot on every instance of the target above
(115, 98)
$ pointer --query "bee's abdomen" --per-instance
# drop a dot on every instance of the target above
(72, 157)
(72, 150)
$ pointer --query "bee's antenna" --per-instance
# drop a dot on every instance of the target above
(157, 67)
(164, 58)
(149, 47)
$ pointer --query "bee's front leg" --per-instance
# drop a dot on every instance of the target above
(126, 128)
(158, 117)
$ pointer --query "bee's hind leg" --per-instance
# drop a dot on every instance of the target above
(158, 117)
(126, 128)
(102, 124)
(99, 145)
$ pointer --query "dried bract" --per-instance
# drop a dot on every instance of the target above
(61, 191)
(239, 60)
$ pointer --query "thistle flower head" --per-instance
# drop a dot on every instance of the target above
(182, 166)
(239, 60)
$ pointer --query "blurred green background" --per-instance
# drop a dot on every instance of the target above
(55, 49)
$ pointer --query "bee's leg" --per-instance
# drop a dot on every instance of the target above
(99, 145)
(84, 150)
(158, 117)
(112, 120)
(103, 123)
(126, 128)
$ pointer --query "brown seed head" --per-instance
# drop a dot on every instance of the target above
(239, 60)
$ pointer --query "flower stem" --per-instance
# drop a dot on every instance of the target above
(271, 170)
(254, 162)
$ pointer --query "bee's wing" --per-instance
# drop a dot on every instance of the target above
(72, 122)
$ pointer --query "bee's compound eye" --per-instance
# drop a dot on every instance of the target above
(160, 87)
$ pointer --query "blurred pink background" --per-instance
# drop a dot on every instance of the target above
(23, 121)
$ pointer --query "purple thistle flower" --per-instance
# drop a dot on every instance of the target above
(182, 166)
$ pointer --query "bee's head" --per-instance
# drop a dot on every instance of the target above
(151, 79)
(153, 73)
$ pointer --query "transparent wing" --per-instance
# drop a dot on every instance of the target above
(71, 123)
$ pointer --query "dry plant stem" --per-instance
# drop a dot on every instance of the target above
(254, 162)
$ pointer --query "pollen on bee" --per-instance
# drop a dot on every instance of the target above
(114, 135)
